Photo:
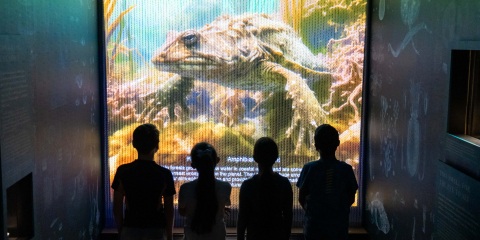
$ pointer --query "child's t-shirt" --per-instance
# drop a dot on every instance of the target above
(186, 199)
(327, 208)
(144, 181)
(266, 207)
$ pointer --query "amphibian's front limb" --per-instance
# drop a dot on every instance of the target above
(233, 110)
(170, 93)
(308, 114)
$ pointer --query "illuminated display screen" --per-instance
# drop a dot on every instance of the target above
(229, 72)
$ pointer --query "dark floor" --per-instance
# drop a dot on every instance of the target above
(354, 234)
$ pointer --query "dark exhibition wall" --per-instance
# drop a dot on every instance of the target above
(50, 119)
(410, 191)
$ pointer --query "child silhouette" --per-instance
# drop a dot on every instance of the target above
(143, 184)
(202, 202)
(327, 190)
(266, 199)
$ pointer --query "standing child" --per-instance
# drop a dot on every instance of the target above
(327, 190)
(142, 185)
(202, 202)
(266, 199)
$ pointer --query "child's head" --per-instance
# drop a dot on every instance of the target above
(203, 156)
(145, 138)
(265, 152)
(326, 139)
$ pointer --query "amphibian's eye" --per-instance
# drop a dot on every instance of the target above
(190, 37)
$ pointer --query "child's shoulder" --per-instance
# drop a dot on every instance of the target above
(224, 189)
(223, 184)
(311, 164)
(281, 178)
(191, 183)
(164, 170)
(187, 186)
(124, 167)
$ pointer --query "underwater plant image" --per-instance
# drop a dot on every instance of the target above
(228, 72)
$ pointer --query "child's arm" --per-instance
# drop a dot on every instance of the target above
(168, 203)
(169, 216)
(243, 213)
(118, 196)
(302, 195)
(352, 186)
(287, 211)
(302, 185)
(182, 208)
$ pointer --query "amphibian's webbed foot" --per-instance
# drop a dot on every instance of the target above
(307, 112)
(233, 110)
(171, 94)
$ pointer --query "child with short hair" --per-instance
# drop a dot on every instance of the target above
(327, 190)
(143, 184)
(266, 199)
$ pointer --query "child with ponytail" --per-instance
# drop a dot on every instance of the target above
(202, 202)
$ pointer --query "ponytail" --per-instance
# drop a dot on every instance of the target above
(204, 158)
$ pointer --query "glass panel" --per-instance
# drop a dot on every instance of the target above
(228, 72)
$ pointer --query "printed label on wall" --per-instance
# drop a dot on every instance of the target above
(457, 211)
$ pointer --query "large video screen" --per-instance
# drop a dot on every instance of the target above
(228, 72)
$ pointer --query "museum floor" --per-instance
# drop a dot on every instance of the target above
(354, 234)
